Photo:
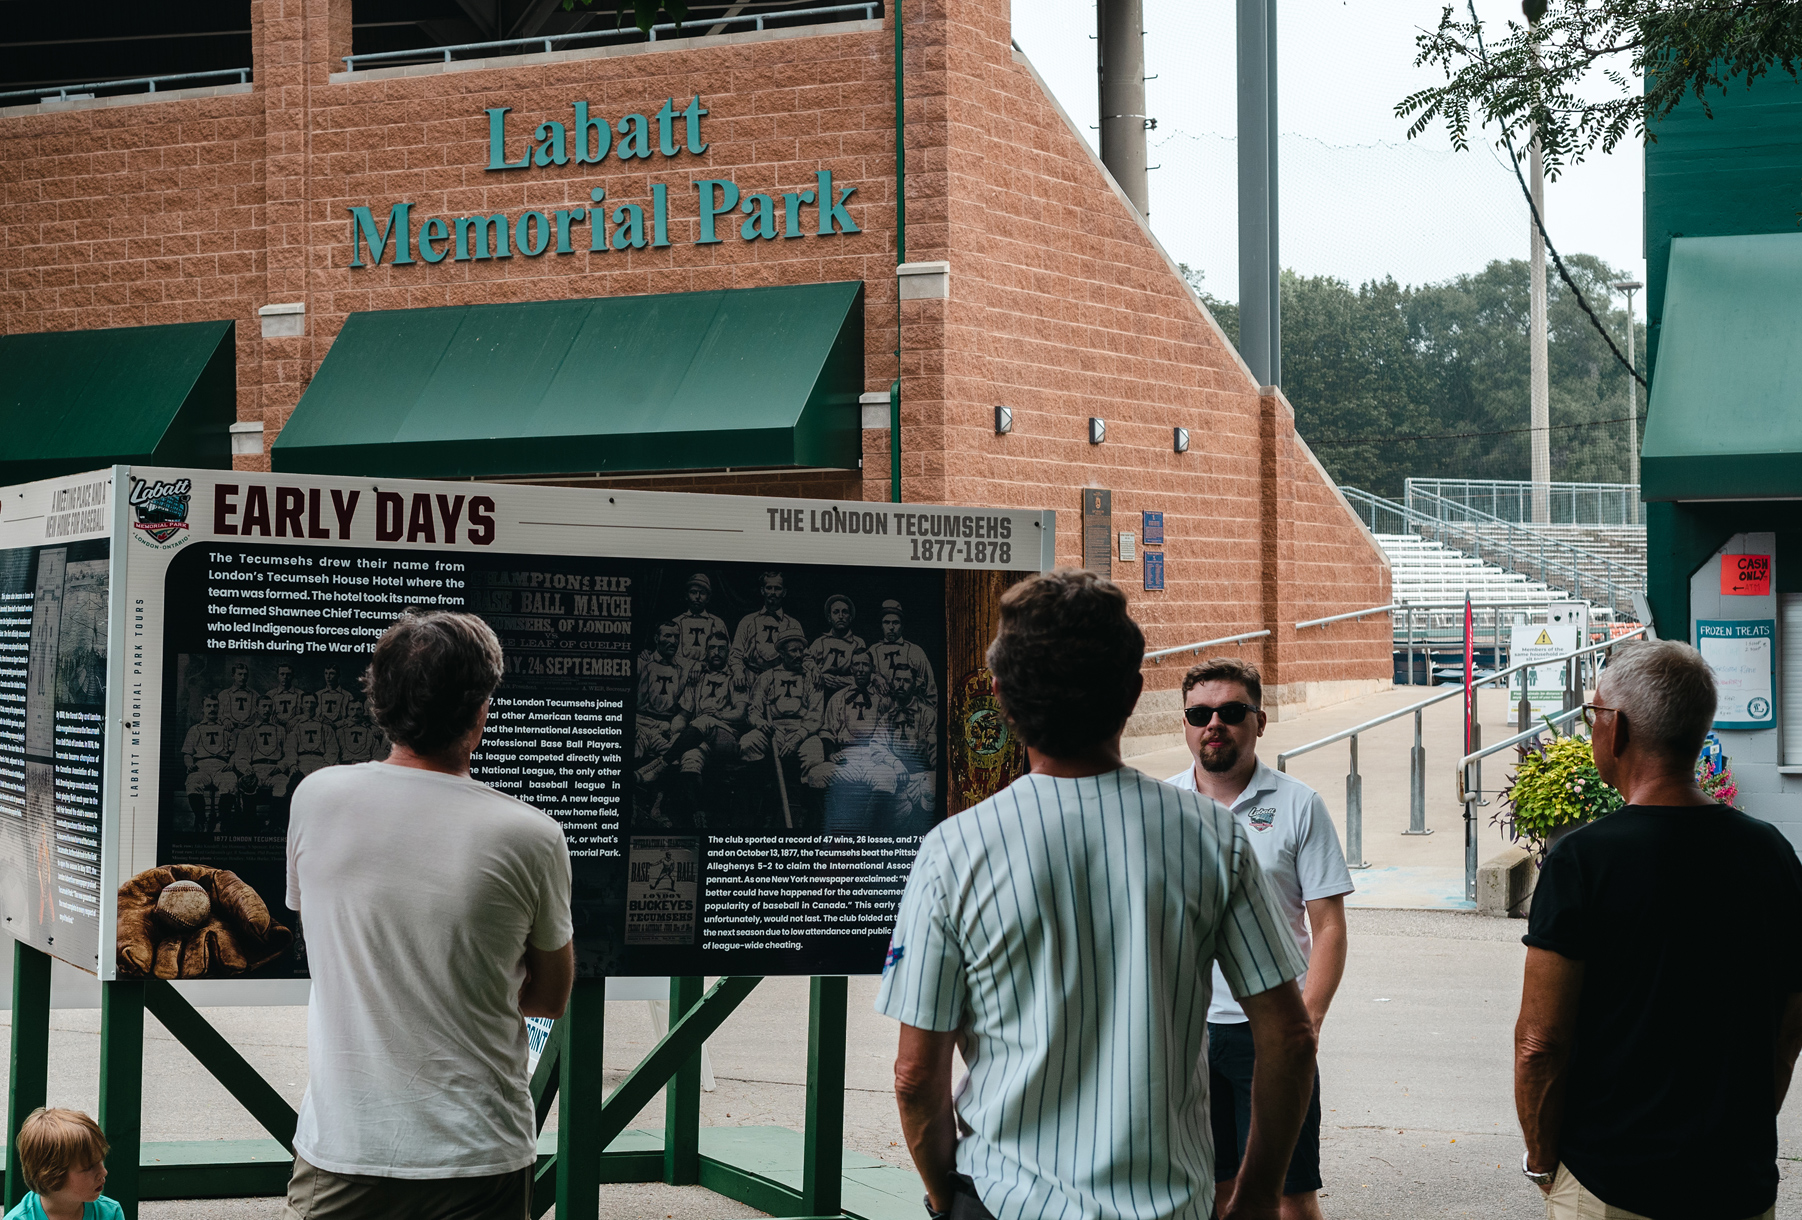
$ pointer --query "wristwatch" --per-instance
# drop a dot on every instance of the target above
(1538, 1179)
(927, 1200)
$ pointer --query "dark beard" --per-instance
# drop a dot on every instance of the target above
(1219, 758)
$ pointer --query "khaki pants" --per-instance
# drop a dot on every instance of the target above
(1570, 1201)
(319, 1194)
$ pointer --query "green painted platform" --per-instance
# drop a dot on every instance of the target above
(759, 1166)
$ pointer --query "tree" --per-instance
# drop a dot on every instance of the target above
(1390, 381)
(1534, 80)
(1225, 312)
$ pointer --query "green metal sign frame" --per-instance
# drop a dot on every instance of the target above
(569, 1173)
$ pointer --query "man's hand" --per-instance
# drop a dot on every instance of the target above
(550, 975)
(1789, 1044)
(1549, 994)
(923, 1095)
(1282, 1081)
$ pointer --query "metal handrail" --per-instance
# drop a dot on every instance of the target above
(1624, 497)
(1484, 518)
(1157, 658)
(1340, 618)
(1486, 680)
(351, 61)
(1424, 523)
(1417, 759)
(1547, 722)
(63, 91)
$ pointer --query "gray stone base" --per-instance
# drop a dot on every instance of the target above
(1505, 884)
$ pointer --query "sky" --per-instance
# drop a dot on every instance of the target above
(1358, 200)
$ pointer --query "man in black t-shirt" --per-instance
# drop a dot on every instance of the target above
(1630, 1108)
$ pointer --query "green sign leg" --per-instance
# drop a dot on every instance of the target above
(682, 1097)
(122, 1087)
(823, 1159)
(580, 1085)
(28, 1081)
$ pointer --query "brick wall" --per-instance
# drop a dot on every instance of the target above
(1062, 304)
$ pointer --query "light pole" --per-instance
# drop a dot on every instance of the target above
(1630, 287)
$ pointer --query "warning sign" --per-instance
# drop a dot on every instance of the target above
(1745, 575)
(1544, 683)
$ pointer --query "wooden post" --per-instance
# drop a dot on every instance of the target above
(122, 1087)
(682, 1096)
(823, 1156)
(27, 1084)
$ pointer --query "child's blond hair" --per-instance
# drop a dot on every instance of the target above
(55, 1143)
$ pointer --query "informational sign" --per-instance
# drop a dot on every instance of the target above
(1745, 575)
(54, 643)
(1743, 655)
(733, 706)
(1098, 531)
(1543, 684)
(1154, 570)
(1128, 547)
(1153, 528)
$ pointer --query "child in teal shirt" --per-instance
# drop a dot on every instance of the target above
(63, 1155)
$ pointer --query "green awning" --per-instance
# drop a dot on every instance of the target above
(146, 395)
(734, 379)
(1725, 416)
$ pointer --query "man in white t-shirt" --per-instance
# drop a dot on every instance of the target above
(436, 916)
(1298, 850)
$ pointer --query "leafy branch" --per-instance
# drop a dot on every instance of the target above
(1533, 81)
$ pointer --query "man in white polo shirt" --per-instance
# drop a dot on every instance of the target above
(1298, 850)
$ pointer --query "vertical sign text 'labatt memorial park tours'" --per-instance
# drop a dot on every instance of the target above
(598, 224)
(736, 709)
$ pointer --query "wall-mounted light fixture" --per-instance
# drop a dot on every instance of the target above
(1097, 430)
(1004, 420)
(1182, 440)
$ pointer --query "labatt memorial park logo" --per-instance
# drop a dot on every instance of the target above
(162, 511)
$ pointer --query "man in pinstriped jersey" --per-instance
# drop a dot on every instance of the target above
(1061, 936)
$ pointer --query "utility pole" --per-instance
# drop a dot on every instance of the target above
(1541, 418)
(1120, 64)
(1260, 314)
(1539, 387)
(1630, 287)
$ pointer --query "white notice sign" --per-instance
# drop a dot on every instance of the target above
(1544, 683)
(1742, 654)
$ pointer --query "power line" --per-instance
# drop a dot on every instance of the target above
(1539, 223)
(1337, 441)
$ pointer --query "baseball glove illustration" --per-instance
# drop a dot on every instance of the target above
(188, 921)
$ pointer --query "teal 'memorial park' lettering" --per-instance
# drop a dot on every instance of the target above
(596, 227)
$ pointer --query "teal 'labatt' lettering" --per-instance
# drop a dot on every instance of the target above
(588, 140)
(590, 133)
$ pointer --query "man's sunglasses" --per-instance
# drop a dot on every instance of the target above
(1230, 713)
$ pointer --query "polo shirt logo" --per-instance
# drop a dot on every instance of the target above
(895, 953)
(1262, 817)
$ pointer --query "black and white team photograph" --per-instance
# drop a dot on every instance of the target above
(788, 699)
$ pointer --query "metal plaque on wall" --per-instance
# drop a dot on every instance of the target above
(1098, 531)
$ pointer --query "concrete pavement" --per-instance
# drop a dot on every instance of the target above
(1415, 1060)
